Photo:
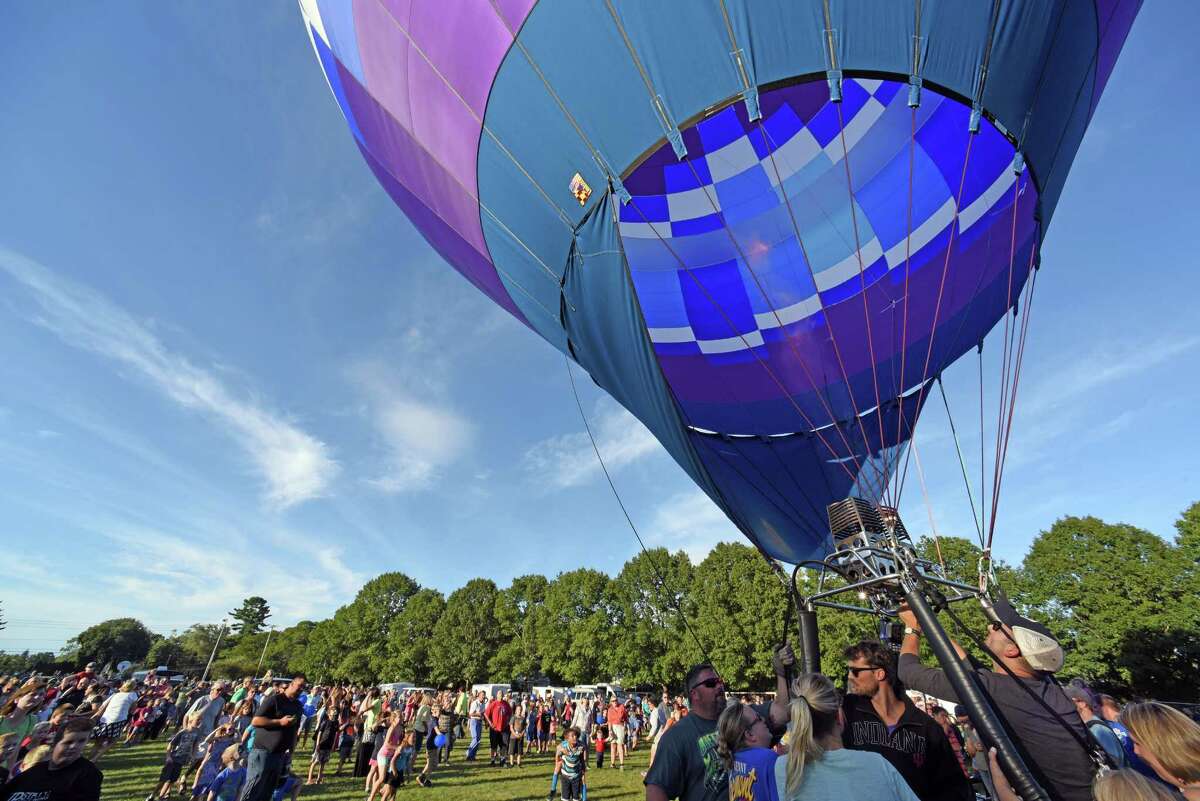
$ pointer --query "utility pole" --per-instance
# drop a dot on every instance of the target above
(258, 672)
(213, 655)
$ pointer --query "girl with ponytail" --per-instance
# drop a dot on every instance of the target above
(817, 767)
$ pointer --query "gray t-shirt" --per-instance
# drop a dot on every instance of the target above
(209, 709)
(846, 774)
(686, 764)
(1059, 763)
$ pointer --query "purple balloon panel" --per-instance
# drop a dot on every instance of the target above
(415, 90)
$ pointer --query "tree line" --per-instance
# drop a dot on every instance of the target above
(1122, 600)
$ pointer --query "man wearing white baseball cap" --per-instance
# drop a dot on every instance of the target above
(1024, 652)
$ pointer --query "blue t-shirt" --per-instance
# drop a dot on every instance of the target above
(752, 777)
(1132, 760)
(288, 785)
(228, 784)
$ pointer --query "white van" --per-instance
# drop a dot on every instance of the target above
(396, 686)
(606, 690)
(557, 693)
(492, 690)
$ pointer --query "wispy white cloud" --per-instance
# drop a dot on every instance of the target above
(691, 522)
(146, 564)
(569, 460)
(295, 465)
(419, 431)
(1106, 365)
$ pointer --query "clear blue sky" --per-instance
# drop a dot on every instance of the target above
(231, 367)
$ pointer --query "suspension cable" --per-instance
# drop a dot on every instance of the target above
(616, 495)
(962, 464)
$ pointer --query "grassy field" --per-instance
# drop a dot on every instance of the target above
(130, 774)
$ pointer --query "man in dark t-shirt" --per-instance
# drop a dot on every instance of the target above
(1027, 648)
(277, 721)
(686, 764)
(66, 776)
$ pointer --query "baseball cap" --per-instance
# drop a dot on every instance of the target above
(1037, 644)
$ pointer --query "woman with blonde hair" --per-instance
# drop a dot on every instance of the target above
(111, 719)
(817, 767)
(1112, 785)
(1168, 741)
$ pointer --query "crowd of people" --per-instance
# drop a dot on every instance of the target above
(255, 740)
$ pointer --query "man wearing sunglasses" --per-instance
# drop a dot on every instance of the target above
(881, 718)
(686, 765)
(1023, 652)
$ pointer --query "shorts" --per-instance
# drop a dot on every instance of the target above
(496, 738)
(516, 746)
(618, 731)
(543, 735)
(170, 771)
(345, 748)
(320, 756)
(305, 721)
(572, 788)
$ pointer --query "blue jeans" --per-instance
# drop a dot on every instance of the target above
(262, 774)
(476, 726)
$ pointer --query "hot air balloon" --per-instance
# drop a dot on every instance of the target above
(764, 228)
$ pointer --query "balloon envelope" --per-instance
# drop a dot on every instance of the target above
(763, 227)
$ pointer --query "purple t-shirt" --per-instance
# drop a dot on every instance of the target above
(753, 775)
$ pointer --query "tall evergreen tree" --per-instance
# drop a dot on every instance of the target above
(251, 616)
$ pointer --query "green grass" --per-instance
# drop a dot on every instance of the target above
(130, 774)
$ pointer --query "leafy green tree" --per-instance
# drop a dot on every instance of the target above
(251, 616)
(111, 641)
(519, 610)
(1092, 582)
(168, 651)
(577, 636)
(41, 661)
(1187, 546)
(649, 595)
(409, 638)
(286, 646)
(321, 659)
(197, 642)
(367, 620)
(467, 635)
(740, 604)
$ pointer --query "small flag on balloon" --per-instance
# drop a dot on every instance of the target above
(580, 189)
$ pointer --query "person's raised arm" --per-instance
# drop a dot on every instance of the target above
(782, 660)
(912, 642)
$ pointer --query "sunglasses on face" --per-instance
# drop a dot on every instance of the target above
(709, 683)
(755, 721)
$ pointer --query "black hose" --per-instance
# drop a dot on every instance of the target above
(810, 641)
